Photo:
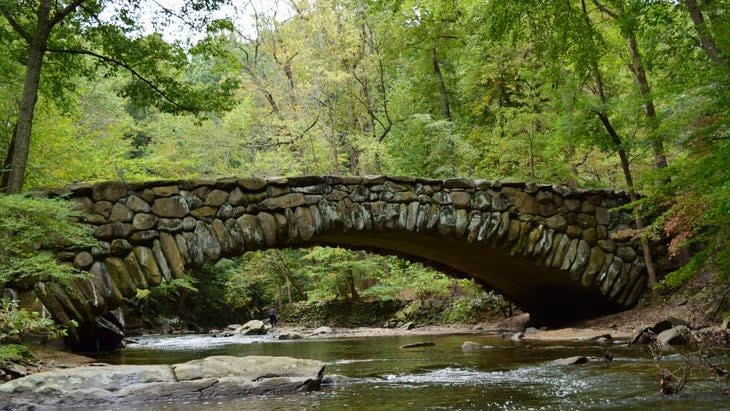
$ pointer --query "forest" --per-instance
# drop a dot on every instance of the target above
(621, 94)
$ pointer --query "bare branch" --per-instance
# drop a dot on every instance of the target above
(184, 17)
(130, 69)
(257, 42)
(246, 55)
(381, 75)
(311, 126)
(706, 39)
(94, 15)
(169, 11)
(272, 102)
(288, 142)
(70, 8)
(294, 5)
(15, 25)
(606, 10)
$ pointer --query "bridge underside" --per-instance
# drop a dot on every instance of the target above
(548, 294)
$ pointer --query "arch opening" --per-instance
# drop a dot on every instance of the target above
(549, 295)
(314, 286)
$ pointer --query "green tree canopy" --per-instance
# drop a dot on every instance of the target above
(92, 37)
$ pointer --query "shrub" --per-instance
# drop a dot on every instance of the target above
(464, 310)
(14, 353)
(32, 230)
(16, 322)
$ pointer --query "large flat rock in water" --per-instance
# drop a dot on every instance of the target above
(197, 380)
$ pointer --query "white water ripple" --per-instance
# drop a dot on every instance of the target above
(340, 362)
(192, 341)
(547, 381)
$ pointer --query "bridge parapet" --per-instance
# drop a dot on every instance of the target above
(152, 232)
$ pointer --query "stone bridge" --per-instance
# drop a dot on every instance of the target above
(558, 253)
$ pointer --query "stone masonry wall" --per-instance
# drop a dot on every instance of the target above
(151, 232)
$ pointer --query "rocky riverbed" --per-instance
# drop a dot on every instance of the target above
(78, 378)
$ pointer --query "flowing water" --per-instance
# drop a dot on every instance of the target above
(508, 376)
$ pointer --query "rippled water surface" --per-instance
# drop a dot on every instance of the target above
(508, 376)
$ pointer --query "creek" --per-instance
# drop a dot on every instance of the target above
(508, 376)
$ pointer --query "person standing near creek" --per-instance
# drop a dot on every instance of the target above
(272, 315)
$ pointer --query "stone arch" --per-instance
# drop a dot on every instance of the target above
(555, 251)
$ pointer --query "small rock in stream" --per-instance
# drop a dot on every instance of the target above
(603, 339)
(253, 327)
(674, 336)
(418, 344)
(578, 359)
(408, 326)
(322, 330)
(291, 336)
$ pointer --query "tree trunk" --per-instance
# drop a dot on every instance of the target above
(637, 67)
(182, 300)
(618, 145)
(625, 165)
(650, 271)
(442, 85)
(708, 43)
(531, 140)
(5, 169)
(278, 295)
(334, 142)
(353, 289)
(290, 82)
(290, 278)
(16, 176)
(272, 102)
